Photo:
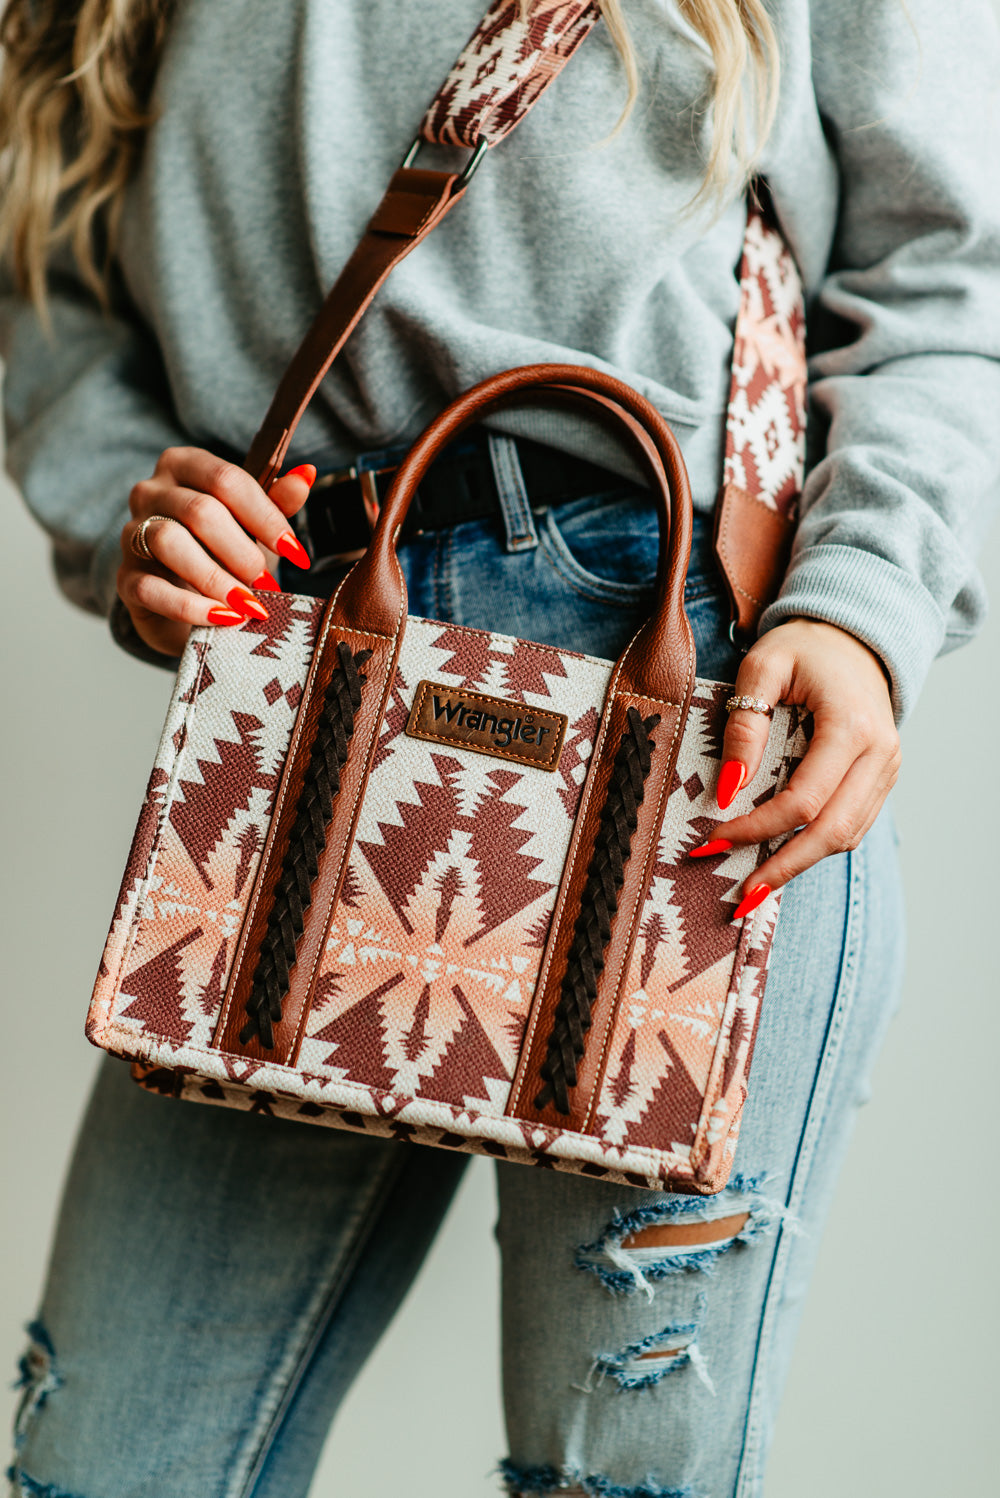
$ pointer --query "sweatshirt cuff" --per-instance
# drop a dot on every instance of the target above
(879, 603)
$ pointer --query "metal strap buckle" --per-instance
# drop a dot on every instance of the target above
(471, 166)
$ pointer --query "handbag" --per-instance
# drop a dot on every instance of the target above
(430, 882)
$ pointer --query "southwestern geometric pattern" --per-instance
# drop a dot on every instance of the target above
(427, 977)
(766, 419)
(428, 973)
(508, 62)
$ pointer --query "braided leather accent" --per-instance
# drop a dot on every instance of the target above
(293, 894)
(598, 906)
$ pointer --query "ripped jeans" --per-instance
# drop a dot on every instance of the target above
(256, 1262)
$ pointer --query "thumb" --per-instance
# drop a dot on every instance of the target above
(763, 678)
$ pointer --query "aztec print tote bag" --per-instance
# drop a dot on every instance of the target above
(430, 883)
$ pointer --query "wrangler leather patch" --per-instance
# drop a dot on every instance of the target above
(487, 725)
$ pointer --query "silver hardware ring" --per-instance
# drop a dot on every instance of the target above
(749, 704)
(139, 543)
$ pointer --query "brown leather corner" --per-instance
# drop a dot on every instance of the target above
(752, 546)
(379, 672)
(625, 925)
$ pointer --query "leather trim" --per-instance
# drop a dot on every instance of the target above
(415, 201)
(753, 543)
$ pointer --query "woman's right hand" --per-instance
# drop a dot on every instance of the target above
(204, 564)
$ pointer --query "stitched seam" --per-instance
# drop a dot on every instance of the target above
(640, 893)
(444, 738)
(728, 556)
(843, 1000)
(514, 1101)
(602, 590)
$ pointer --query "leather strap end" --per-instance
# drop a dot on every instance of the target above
(412, 200)
(753, 543)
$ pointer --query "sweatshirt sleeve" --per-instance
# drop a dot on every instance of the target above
(905, 334)
(87, 414)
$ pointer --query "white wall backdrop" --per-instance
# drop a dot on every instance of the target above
(893, 1385)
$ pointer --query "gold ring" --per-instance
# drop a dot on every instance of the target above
(749, 704)
(139, 543)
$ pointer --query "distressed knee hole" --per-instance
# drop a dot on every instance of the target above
(38, 1378)
(27, 1487)
(642, 1365)
(538, 1482)
(689, 1234)
(679, 1233)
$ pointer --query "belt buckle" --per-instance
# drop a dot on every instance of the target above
(367, 481)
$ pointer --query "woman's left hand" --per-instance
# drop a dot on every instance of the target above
(852, 761)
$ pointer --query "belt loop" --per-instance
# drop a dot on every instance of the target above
(519, 523)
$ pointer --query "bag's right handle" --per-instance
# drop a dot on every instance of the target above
(659, 662)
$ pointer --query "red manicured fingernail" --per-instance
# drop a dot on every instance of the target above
(244, 602)
(288, 547)
(225, 616)
(716, 845)
(751, 900)
(731, 777)
(303, 471)
(266, 583)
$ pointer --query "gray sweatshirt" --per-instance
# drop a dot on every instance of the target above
(280, 124)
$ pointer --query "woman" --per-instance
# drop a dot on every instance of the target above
(213, 231)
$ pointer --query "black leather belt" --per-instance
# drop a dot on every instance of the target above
(343, 505)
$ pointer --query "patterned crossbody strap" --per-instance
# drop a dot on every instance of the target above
(509, 62)
(764, 469)
(516, 51)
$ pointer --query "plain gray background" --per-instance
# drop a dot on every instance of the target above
(893, 1386)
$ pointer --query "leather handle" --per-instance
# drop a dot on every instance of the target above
(657, 663)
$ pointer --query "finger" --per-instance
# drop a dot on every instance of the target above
(196, 470)
(827, 761)
(764, 676)
(175, 548)
(291, 491)
(842, 824)
(216, 528)
(145, 590)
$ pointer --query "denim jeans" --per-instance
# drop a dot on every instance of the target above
(218, 1278)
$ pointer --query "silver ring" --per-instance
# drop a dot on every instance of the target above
(139, 543)
(750, 705)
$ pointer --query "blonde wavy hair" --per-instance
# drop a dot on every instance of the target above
(75, 107)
